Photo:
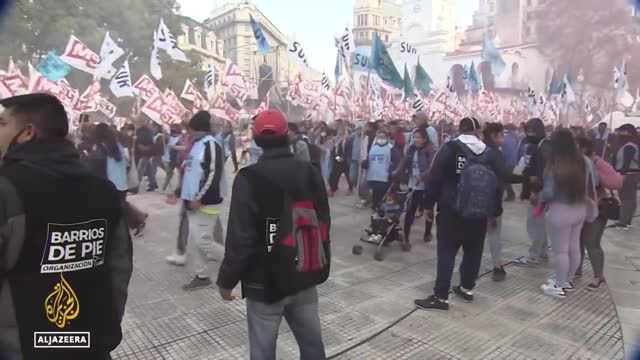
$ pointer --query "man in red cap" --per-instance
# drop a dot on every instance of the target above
(277, 243)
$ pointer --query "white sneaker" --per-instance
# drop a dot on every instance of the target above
(568, 288)
(378, 238)
(175, 259)
(553, 290)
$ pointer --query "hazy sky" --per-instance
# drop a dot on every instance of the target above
(313, 23)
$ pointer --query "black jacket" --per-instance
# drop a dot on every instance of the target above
(210, 192)
(505, 176)
(425, 156)
(54, 159)
(245, 248)
(343, 149)
(443, 177)
(540, 149)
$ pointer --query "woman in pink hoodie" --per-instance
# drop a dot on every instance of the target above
(591, 235)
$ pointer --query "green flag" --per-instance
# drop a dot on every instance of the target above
(423, 81)
(382, 64)
(408, 85)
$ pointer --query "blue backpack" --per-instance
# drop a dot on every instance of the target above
(477, 186)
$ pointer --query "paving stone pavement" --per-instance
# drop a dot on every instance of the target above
(363, 297)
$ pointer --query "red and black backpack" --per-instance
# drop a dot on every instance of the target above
(297, 247)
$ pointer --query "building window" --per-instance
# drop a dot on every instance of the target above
(492, 6)
(529, 3)
(386, 38)
(366, 20)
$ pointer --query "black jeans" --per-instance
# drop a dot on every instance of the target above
(453, 232)
(415, 202)
(338, 169)
(378, 189)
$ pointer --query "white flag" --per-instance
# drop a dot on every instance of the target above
(155, 69)
(408, 53)
(297, 54)
(109, 52)
(587, 111)
(209, 82)
(81, 57)
(636, 105)
(418, 105)
(452, 96)
(568, 96)
(167, 42)
(121, 83)
(326, 83)
(347, 43)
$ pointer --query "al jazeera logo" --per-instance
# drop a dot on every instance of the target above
(61, 307)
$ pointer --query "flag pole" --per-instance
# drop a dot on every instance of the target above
(288, 84)
(613, 107)
(362, 132)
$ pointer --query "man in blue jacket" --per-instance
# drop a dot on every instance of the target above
(202, 190)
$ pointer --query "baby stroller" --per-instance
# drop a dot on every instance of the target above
(386, 227)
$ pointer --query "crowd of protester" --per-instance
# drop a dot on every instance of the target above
(578, 183)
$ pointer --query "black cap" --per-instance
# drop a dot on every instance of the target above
(468, 124)
(201, 121)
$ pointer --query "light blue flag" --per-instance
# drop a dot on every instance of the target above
(555, 86)
(383, 65)
(491, 54)
(361, 60)
(474, 81)
(338, 69)
(263, 44)
(53, 68)
(465, 76)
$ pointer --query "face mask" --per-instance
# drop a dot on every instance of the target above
(382, 142)
(323, 134)
(130, 133)
(184, 132)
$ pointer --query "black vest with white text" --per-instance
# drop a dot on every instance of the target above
(60, 284)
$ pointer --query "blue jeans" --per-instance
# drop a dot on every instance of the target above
(326, 166)
(301, 313)
(354, 169)
(537, 235)
(494, 238)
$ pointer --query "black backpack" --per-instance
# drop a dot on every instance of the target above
(477, 186)
(298, 250)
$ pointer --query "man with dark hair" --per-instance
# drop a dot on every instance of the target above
(538, 150)
(69, 269)
(455, 229)
(601, 142)
(299, 147)
(255, 254)
(202, 190)
(495, 138)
